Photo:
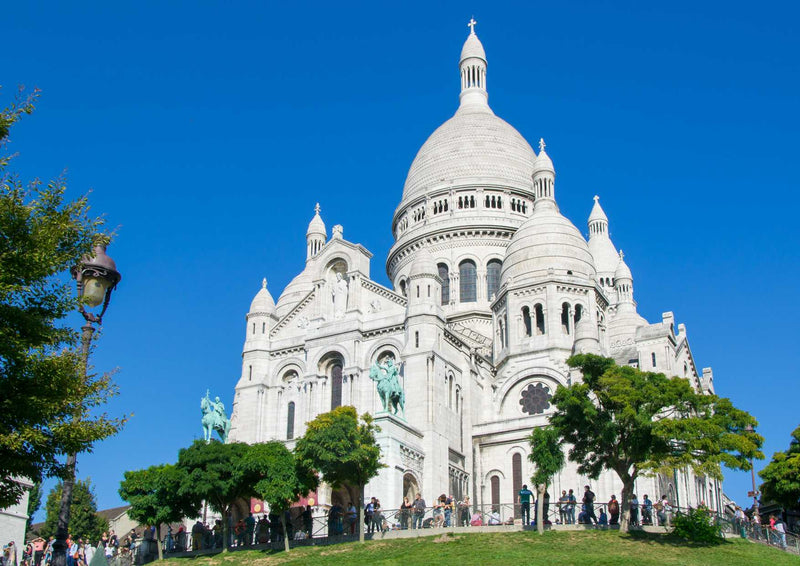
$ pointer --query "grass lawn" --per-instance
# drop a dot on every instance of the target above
(517, 548)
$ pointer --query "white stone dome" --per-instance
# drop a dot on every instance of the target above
(317, 226)
(547, 240)
(474, 146)
(263, 301)
(604, 254)
(543, 162)
(294, 292)
(622, 271)
(473, 48)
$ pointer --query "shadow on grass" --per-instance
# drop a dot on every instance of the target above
(671, 540)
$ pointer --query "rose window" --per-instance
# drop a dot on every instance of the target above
(535, 399)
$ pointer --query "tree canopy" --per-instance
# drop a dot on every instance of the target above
(215, 472)
(343, 449)
(47, 408)
(156, 498)
(282, 479)
(631, 421)
(84, 521)
(782, 476)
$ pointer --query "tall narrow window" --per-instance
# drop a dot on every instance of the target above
(336, 386)
(653, 358)
(250, 373)
(539, 320)
(450, 391)
(495, 481)
(493, 278)
(565, 318)
(290, 421)
(416, 339)
(263, 327)
(468, 281)
(516, 473)
(444, 275)
(526, 320)
(578, 314)
(403, 287)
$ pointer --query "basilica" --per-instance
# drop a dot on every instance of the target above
(492, 289)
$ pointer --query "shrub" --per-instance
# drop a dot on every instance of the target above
(696, 526)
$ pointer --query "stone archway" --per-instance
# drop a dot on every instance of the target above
(410, 486)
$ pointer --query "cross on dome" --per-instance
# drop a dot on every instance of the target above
(541, 144)
(621, 255)
(264, 283)
(596, 198)
(317, 208)
(471, 25)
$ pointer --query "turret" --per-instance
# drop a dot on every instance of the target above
(623, 285)
(424, 311)
(544, 179)
(602, 248)
(316, 235)
(586, 337)
(473, 71)
(261, 314)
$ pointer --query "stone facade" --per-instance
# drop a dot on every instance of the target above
(492, 290)
(14, 519)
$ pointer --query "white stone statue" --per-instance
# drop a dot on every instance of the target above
(339, 291)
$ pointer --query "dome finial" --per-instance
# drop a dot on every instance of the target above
(596, 198)
(471, 25)
(541, 144)
(317, 208)
(621, 255)
(264, 283)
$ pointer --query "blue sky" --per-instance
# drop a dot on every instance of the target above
(207, 131)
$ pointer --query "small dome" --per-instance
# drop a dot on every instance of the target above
(597, 214)
(547, 240)
(473, 48)
(543, 161)
(263, 301)
(295, 292)
(317, 226)
(622, 271)
(423, 264)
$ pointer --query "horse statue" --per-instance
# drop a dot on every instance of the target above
(391, 393)
(214, 418)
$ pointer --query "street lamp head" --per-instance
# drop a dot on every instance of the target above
(96, 277)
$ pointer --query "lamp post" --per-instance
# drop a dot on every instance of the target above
(749, 428)
(96, 278)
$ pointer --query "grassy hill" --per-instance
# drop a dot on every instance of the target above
(595, 548)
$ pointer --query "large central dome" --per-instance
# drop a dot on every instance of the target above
(473, 145)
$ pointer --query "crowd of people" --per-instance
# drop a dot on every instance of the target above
(79, 551)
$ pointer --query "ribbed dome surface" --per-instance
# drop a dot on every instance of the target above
(295, 292)
(622, 271)
(423, 264)
(546, 240)
(263, 301)
(604, 254)
(473, 144)
(473, 48)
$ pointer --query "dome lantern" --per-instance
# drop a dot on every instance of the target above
(472, 67)
(316, 235)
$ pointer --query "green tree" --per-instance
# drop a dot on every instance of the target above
(84, 521)
(782, 475)
(156, 499)
(632, 422)
(547, 456)
(34, 502)
(343, 450)
(282, 478)
(215, 473)
(47, 409)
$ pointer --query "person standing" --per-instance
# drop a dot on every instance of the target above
(663, 510)
(197, 535)
(464, 512)
(419, 511)
(613, 510)
(634, 510)
(563, 503)
(647, 511)
(405, 513)
(573, 502)
(250, 529)
(588, 501)
(525, 504)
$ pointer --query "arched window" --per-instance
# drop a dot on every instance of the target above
(516, 474)
(403, 287)
(290, 421)
(539, 320)
(653, 358)
(336, 386)
(495, 481)
(492, 277)
(450, 391)
(468, 281)
(578, 314)
(444, 275)
(526, 320)
(565, 318)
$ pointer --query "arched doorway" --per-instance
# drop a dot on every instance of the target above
(410, 486)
